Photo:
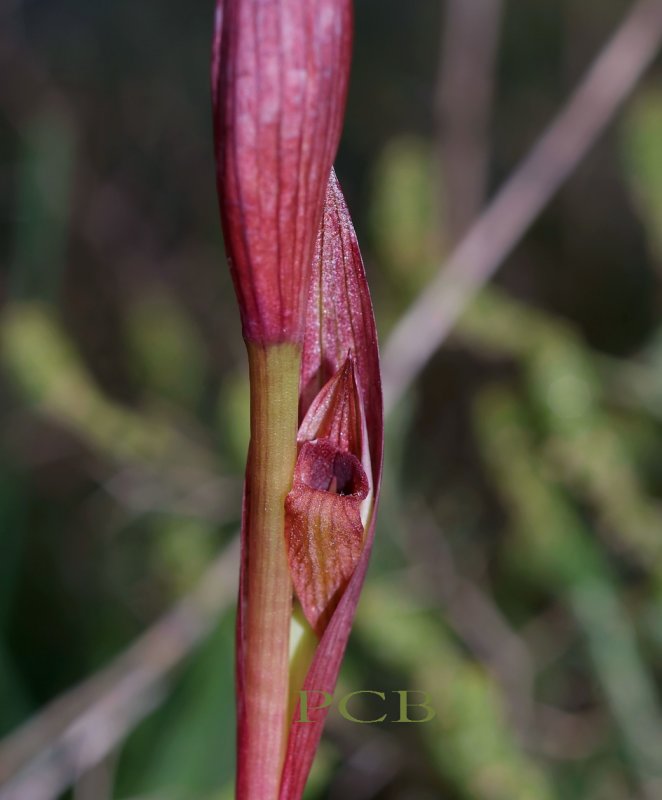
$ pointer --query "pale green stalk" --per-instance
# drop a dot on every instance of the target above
(274, 379)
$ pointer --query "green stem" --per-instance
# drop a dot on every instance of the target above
(274, 378)
(303, 643)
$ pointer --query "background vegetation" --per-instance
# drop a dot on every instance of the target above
(517, 574)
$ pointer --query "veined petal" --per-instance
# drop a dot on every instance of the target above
(323, 527)
(279, 82)
(336, 412)
(340, 320)
(323, 512)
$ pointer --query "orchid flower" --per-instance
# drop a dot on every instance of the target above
(279, 81)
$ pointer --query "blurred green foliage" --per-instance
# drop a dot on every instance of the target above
(641, 150)
(517, 574)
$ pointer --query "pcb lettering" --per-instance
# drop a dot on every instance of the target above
(350, 707)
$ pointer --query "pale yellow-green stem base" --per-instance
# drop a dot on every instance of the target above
(274, 377)
(303, 643)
